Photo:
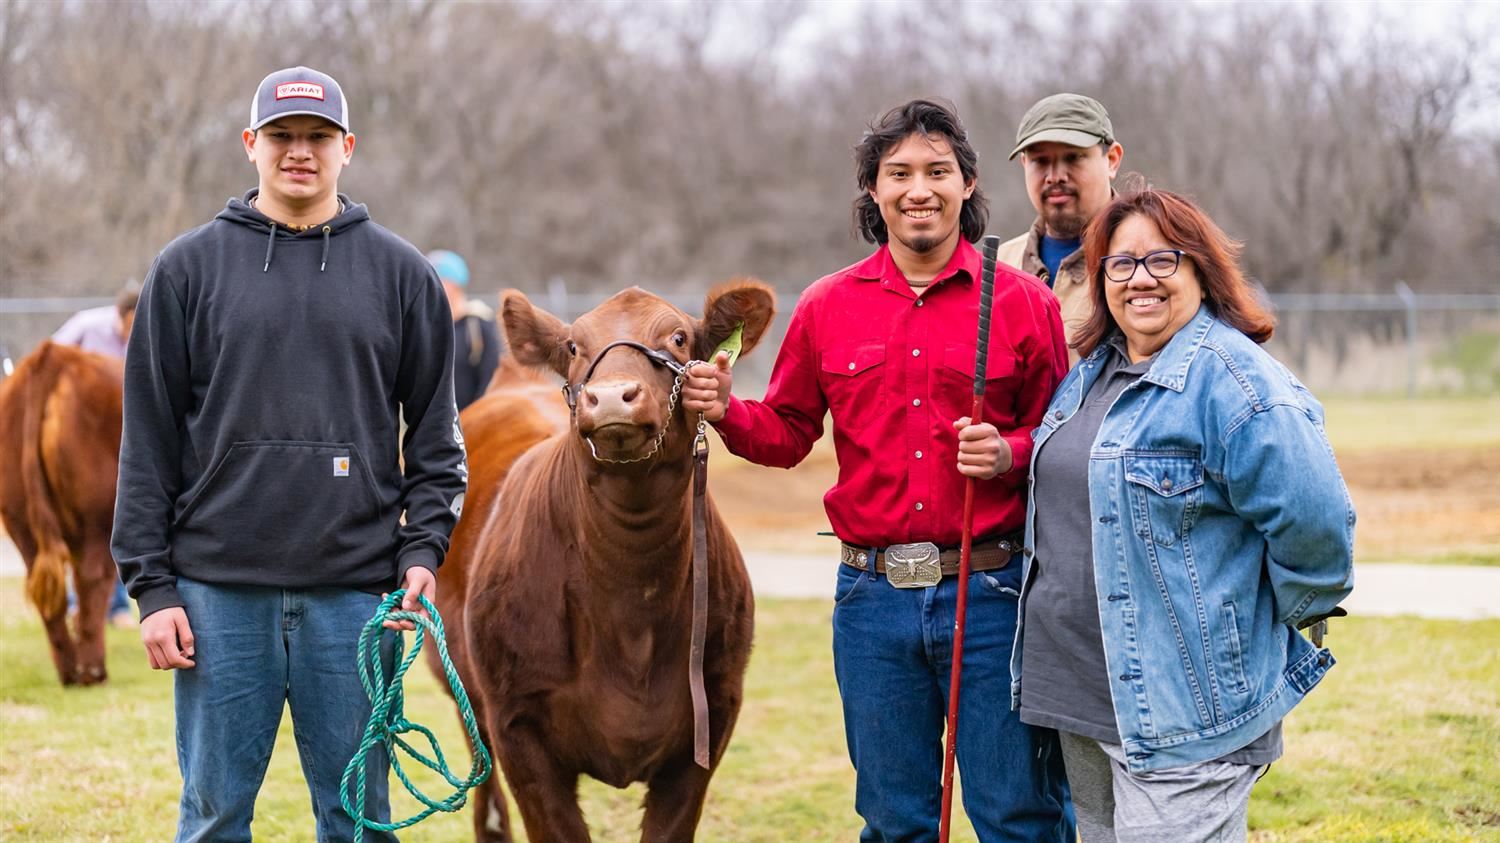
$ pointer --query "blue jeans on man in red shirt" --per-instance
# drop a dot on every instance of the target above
(892, 650)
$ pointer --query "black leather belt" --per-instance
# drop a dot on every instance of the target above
(922, 564)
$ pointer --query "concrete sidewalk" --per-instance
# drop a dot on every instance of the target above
(1454, 592)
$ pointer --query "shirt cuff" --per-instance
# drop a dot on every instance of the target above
(736, 421)
(1020, 452)
(408, 559)
(156, 598)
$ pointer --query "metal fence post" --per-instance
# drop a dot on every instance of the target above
(557, 298)
(1409, 301)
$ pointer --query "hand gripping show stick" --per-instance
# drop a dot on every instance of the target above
(990, 246)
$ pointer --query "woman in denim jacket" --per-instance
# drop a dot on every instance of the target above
(1186, 518)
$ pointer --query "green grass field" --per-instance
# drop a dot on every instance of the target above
(1401, 743)
(1397, 423)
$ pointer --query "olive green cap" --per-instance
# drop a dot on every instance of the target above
(1073, 119)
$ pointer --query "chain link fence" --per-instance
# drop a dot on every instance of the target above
(1401, 342)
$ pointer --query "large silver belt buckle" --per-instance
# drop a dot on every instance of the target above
(917, 565)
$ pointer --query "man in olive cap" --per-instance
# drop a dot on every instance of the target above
(1070, 155)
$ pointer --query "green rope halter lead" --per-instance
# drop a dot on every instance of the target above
(388, 723)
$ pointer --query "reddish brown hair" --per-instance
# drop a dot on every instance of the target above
(1186, 227)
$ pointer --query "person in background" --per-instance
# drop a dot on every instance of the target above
(106, 330)
(1186, 518)
(103, 330)
(1070, 157)
(476, 340)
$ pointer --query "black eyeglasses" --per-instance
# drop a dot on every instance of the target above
(1159, 264)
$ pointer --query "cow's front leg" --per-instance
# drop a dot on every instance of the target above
(674, 802)
(545, 793)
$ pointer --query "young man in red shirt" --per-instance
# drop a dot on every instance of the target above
(887, 346)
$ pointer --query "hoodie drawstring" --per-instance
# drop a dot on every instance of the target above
(326, 231)
(270, 247)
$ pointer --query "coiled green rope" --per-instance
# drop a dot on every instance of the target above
(388, 722)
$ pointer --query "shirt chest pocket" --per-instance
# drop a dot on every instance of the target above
(955, 382)
(853, 380)
(1166, 494)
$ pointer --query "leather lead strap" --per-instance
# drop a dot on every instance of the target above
(700, 606)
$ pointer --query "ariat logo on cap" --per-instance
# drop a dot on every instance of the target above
(310, 90)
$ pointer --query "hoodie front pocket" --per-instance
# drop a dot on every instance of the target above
(282, 489)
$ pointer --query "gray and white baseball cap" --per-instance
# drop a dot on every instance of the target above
(299, 90)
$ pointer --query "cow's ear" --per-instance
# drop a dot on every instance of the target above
(739, 301)
(535, 337)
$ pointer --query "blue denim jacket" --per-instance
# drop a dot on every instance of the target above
(1220, 522)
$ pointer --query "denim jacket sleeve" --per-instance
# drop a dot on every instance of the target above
(1282, 479)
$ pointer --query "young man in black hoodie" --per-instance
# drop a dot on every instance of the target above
(261, 493)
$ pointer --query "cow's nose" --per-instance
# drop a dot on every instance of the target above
(621, 393)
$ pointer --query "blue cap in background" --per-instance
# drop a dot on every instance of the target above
(450, 267)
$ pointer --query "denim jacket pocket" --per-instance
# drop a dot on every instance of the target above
(1233, 653)
(1166, 493)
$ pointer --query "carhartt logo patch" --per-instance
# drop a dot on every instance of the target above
(340, 466)
(310, 90)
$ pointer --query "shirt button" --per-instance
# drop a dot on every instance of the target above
(916, 352)
(1166, 483)
(1056, 415)
(919, 455)
(919, 302)
(916, 402)
(919, 506)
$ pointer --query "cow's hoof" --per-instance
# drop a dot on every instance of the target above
(91, 674)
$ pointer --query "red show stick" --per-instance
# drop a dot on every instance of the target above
(989, 246)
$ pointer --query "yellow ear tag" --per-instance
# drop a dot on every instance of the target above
(731, 345)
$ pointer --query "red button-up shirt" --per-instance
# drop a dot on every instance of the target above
(896, 370)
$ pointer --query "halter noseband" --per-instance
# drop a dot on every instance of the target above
(571, 391)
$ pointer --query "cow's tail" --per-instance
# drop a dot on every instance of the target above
(46, 581)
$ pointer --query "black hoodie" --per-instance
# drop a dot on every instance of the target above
(265, 382)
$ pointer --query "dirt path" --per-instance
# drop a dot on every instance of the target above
(1412, 504)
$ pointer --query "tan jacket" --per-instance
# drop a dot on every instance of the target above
(1071, 287)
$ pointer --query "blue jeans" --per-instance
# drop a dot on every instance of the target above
(258, 650)
(891, 653)
(119, 601)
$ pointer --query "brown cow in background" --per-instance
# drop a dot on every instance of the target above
(567, 592)
(60, 453)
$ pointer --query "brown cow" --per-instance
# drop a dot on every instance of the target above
(60, 446)
(568, 593)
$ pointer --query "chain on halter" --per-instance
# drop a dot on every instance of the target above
(658, 358)
(700, 439)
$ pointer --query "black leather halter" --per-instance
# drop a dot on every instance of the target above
(657, 358)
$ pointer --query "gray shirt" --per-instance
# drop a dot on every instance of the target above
(1066, 680)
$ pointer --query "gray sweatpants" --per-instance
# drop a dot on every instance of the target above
(1199, 803)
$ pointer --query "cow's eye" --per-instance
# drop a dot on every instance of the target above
(573, 348)
(680, 339)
